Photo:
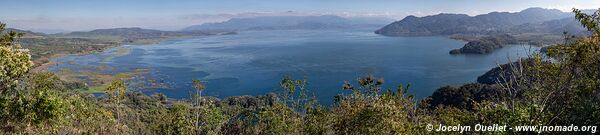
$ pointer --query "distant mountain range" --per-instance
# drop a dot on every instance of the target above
(293, 22)
(491, 23)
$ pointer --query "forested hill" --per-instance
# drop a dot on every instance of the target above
(133, 34)
(491, 23)
(558, 26)
(26, 33)
(43, 46)
(534, 26)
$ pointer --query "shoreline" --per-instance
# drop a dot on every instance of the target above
(40, 65)
(98, 79)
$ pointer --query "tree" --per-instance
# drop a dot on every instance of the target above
(559, 88)
(14, 61)
(199, 87)
(181, 124)
(116, 92)
(369, 111)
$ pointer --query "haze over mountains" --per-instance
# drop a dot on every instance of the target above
(484, 33)
(528, 20)
(293, 22)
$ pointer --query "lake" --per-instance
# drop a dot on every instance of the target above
(253, 62)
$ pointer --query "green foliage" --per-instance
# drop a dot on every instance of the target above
(463, 97)
(197, 98)
(116, 92)
(577, 73)
(213, 118)
(40, 105)
(8, 38)
(295, 94)
(44, 107)
(14, 61)
(181, 123)
(198, 85)
(318, 121)
(367, 111)
(82, 116)
(448, 115)
(278, 119)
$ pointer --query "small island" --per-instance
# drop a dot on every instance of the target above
(485, 44)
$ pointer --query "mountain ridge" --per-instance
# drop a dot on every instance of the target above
(449, 24)
(534, 26)
(291, 22)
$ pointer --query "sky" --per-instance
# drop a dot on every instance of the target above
(51, 16)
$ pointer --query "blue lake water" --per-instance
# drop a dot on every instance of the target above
(253, 62)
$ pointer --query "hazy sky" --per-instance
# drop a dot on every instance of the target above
(72, 15)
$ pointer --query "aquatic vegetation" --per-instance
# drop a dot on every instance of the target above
(98, 80)
(121, 51)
